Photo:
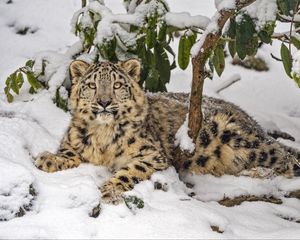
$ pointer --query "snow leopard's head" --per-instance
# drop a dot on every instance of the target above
(107, 92)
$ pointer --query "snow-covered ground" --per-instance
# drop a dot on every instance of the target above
(63, 199)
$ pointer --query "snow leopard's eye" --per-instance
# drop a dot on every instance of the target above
(92, 85)
(117, 85)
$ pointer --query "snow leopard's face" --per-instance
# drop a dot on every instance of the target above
(105, 91)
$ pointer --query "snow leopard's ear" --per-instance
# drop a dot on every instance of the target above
(78, 68)
(132, 68)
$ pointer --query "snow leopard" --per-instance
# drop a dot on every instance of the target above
(116, 124)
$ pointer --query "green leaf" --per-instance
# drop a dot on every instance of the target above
(173, 65)
(33, 81)
(14, 84)
(20, 80)
(142, 54)
(232, 48)
(89, 36)
(192, 38)
(296, 42)
(108, 50)
(283, 6)
(184, 52)
(231, 33)
(270, 27)
(32, 91)
(134, 28)
(232, 29)
(162, 34)
(246, 39)
(15, 81)
(77, 29)
(60, 102)
(170, 50)
(162, 63)
(252, 46)
(265, 37)
(286, 59)
(287, 7)
(8, 81)
(9, 96)
(29, 64)
(151, 33)
(152, 79)
(150, 38)
(219, 59)
(111, 50)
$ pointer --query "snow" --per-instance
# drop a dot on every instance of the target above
(56, 68)
(263, 11)
(111, 24)
(32, 124)
(224, 4)
(211, 28)
(182, 138)
(215, 189)
(14, 189)
(185, 20)
(228, 82)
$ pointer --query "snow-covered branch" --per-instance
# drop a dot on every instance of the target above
(294, 19)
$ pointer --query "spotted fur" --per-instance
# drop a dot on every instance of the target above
(115, 124)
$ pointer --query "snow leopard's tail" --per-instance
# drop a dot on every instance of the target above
(294, 164)
(289, 162)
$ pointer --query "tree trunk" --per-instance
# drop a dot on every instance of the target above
(209, 41)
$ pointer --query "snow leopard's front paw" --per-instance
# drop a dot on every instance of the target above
(46, 162)
(112, 192)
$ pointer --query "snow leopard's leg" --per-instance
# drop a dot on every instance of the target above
(65, 158)
(140, 168)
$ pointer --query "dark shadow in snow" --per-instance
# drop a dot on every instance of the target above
(22, 30)
(22, 209)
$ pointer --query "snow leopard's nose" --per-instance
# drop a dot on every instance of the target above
(104, 103)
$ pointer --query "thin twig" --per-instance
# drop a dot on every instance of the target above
(276, 58)
(287, 19)
(233, 79)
